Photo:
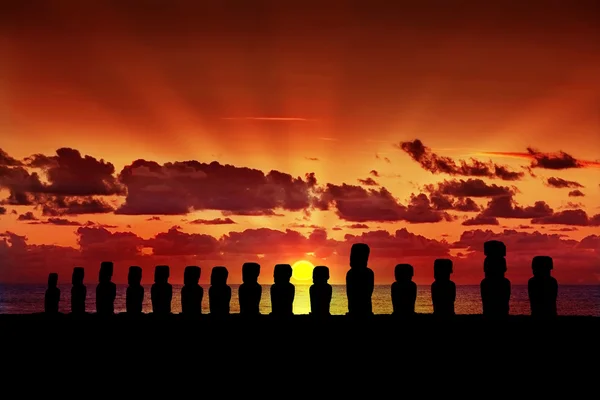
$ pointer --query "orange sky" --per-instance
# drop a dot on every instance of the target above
(331, 90)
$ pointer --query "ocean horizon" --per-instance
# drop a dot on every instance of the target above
(581, 300)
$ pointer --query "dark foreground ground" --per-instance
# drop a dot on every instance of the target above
(519, 351)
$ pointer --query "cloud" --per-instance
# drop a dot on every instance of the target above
(386, 159)
(358, 226)
(576, 193)
(311, 158)
(507, 207)
(469, 188)
(481, 220)
(374, 173)
(28, 216)
(368, 182)
(568, 217)
(60, 205)
(8, 161)
(554, 161)
(155, 218)
(562, 183)
(215, 221)
(180, 187)
(436, 164)
(2, 210)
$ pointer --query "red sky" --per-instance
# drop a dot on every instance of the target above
(210, 135)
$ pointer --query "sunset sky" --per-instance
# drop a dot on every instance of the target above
(233, 131)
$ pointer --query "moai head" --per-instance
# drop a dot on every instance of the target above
(282, 273)
(161, 274)
(134, 277)
(494, 267)
(250, 272)
(77, 277)
(106, 271)
(218, 275)
(494, 248)
(404, 272)
(359, 255)
(442, 269)
(191, 275)
(320, 274)
(542, 265)
(52, 280)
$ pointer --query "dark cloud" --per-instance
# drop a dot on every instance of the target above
(507, 207)
(469, 188)
(568, 217)
(558, 161)
(311, 158)
(358, 226)
(481, 220)
(28, 216)
(576, 193)
(154, 218)
(374, 173)
(60, 205)
(368, 182)
(180, 187)
(562, 183)
(2, 210)
(215, 221)
(8, 161)
(445, 165)
(174, 242)
(56, 221)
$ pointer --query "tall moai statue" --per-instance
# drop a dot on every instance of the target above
(106, 291)
(443, 290)
(282, 291)
(542, 288)
(52, 295)
(404, 291)
(360, 281)
(78, 291)
(134, 297)
(250, 291)
(320, 292)
(191, 292)
(495, 287)
(161, 293)
(219, 293)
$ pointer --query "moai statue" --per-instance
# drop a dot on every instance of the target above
(495, 287)
(161, 293)
(78, 291)
(52, 296)
(360, 281)
(542, 288)
(106, 291)
(443, 290)
(134, 298)
(250, 291)
(320, 292)
(219, 293)
(404, 291)
(191, 292)
(282, 291)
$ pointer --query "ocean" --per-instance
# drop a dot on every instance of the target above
(572, 300)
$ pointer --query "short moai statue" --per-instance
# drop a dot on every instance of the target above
(134, 298)
(404, 291)
(495, 287)
(320, 292)
(78, 291)
(360, 281)
(282, 291)
(542, 288)
(250, 291)
(161, 293)
(191, 292)
(106, 291)
(52, 295)
(219, 293)
(443, 290)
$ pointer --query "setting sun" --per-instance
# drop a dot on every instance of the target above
(302, 270)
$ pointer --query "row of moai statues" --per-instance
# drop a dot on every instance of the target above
(219, 293)
(495, 288)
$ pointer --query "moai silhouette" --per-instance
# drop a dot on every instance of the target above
(106, 291)
(443, 290)
(495, 287)
(282, 291)
(404, 291)
(320, 292)
(219, 293)
(161, 292)
(134, 298)
(542, 288)
(360, 281)
(78, 291)
(52, 296)
(191, 292)
(250, 291)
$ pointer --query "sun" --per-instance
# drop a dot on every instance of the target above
(302, 270)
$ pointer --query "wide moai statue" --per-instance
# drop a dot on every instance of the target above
(404, 291)
(250, 291)
(191, 292)
(219, 293)
(161, 292)
(134, 297)
(78, 291)
(443, 290)
(282, 291)
(52, 295)
(542, 288)
(495, 287)
(320, 292)
(360, 281)
(106, 291)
